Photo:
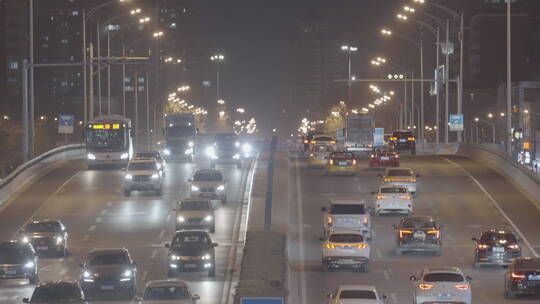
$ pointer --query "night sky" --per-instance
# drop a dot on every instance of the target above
(254, 35)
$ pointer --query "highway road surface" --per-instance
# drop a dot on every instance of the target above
(93, 207)
(464, 196)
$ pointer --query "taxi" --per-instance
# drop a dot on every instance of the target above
(318, 155)
(341, 163)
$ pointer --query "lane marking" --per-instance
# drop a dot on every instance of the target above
(379, 253)
(169, 217)
(386, 275)
(50, 198)
(154, 253)
(394, 298)
(496, 204)
(161, 234)
(145, 274)
(92, 228)
(98, 219)
(85, 238)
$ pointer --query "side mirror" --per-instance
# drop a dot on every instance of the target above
(369, 210)
(519, 240)
(417, 175)
(26, 300)
(384, 297)
(322, 239)
(190, 180)
(81, 264)
(330, 296)
(167, 245)
(379, 175)
(394, 226)
(196, 297)
(373, 192)
(214, 245)
(175, 209)
(473, 239)
(21, 230)
(412, 278)
(468, 278)
(324, 209)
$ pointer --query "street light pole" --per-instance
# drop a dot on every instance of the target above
(421, 118)
(437, 110)
(509, 79)
(99, 66)
(85, 80)
(460, 82)
(31, 82)
(447, 77)
(108, 72)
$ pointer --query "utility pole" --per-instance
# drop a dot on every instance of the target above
(99, 66)
(460, 82)
(85, 80)
(509, 79)
(447, 77)
(437, 84)
(147, 82)
(108, 72)
(91, 83)
(26, 131)
(421, 118)
(136, 121)
(124, 81)
(31, 83)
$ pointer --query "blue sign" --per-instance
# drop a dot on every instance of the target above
(65, 123)
(262, 301)
(378, 137)
(456, 122)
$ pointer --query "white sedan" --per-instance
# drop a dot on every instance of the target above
(345, 249)
(401, 177)
(442, 285)
(357, 294)
(393, 199)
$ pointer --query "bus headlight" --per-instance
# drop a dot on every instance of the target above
(167, 152)
(236, 156)
(29, 265)
(181, 219)
(128, 176)
(124, 156)
(188, 151)
(246, 148)
(191, 144)
(91, 156)
(221, 188)
(210, 151)
(194, 188)
(25, 239)
(155, 176)
(208, 218)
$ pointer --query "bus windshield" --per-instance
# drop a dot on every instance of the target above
(106, 140)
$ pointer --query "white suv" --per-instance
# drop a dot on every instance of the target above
(345, 249)
(209, 184)
(142, 174)
(442, 285)
(357, 294)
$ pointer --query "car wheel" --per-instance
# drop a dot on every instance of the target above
(224, 201)
(509, 294)
(399, 251)
(438, 252)
(171, 273)
(34, 279)
(212, 272)
(130, 293)
(213, 229)
(159, 192)
(127, 193)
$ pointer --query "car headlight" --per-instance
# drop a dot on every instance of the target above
(210, 151)
(221, 188)
(87, 274)
(158, 165)
(155, 175)
(236, 156)
(206, 257)
(128, 176)
(29, 265)
(237, 144)
(194, 188)
(167, 152)
(25, 239)
(127, 273)
(124, 156)
(188, 151)
(181, 219)
(246, 148)
(208, 218)
(91, 156)
(191, 144)
(175, 257)
(59, 239)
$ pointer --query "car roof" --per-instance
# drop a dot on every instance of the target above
(391, 186)
(148, 152)
(418, 219)
(192, 232)
(358, 287)
(527, 263)
(400, 168)
(443, 269)
(347, 201)
(167, 283)
(498, 231)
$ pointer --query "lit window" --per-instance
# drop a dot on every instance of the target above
(14, 65)
(75, 13)
(127, 79)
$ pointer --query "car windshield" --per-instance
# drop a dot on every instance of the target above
(346, 238)
(190, 240)
(400, 172)
(342, 155)
(443, 277)
(358, 294)
(15, 254)
(393, 190)
(43, 227)
(109, 259)
(224, 138)
(503, 237)
(142, 166)
(166, 293)
(147, 155)
(207, 177)
(63, 293)
(321, 148)
(348, 209)
(194, 205)
(405, 134)
(418, 224)
(323, 138)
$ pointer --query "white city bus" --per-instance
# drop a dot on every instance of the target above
(109, 141)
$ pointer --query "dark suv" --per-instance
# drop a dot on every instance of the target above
(522, 278)
(18, 260)
(46, 236)
(496, 247)
(191, 250)
(109, 271)
(403, 140)
(226, 150)
(418, 233)
(57, 292)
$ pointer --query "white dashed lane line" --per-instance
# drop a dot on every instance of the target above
(92, 228)
(98, 219)
(154, 253)
(161, 234)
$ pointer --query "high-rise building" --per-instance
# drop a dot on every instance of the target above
(316, 61)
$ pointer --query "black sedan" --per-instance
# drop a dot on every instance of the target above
(46, 236)
(18, 260)
(57, 292)
(496, 247)
(191, 250)
(418, 233)
(522, 278)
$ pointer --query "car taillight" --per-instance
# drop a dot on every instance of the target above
(393, 138)
(329, 221)
(381, 196)
(425, 286)
(412, 179)
(513, 246)
(372, 156)
(410, 138)
(366, 221)
(462, 287)
(404, 232)
(434, 232)
(306, 141)
(518, 276)
(387, 179)
(311, 155)
(397, 155)
(354, 161)
(331, 162)
(482, 246)
(405, 196)
(362, 246)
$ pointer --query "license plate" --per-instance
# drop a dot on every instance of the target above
(419, 234)
(190, 265)
(208, 194)
(498, 249)
(10, 272)
(443, 296)
(42, 248)
(534, 277)
(342, 163)
(107, 287)
(402, 140)
(385, 158)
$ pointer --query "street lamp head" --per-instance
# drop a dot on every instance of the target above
(144, 20)
(490, 115)
(135, 11)
(158, 34)
(476, 119)
(420, 1)
(502, 114)
(353, 49)
(345, 47)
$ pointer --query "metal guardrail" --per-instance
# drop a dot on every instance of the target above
(20, 169)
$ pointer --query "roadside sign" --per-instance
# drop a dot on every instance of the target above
(262, 301)
(378, 137)
(65, 123)
(456, 122)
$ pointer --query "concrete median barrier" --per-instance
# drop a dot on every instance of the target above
(527, 181)
(28, 172)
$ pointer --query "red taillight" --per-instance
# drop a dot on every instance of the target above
(425, 286)
(329, 221)
(434, 232)
(354, 161)
(513, 246)
(482, 246)
(366, 221)
(311, 155)
(331, 162)
(403, 232)
(518, 276)
(462, 287)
